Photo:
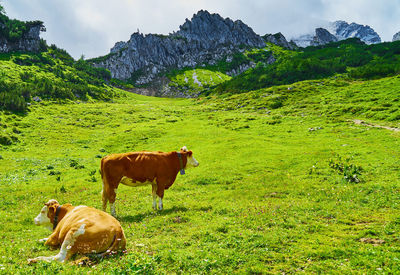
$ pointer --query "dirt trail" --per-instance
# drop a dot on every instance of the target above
(361, 122)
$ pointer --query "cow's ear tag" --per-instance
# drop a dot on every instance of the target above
(182, 171)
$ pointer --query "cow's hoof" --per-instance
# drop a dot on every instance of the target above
(32, 261)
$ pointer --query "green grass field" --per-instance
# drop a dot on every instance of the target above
(287, 182)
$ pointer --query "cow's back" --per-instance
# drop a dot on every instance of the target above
(140, 166)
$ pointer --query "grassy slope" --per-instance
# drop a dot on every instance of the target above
(197, 80)
(263, 199)
(51, 75)
(335, 97)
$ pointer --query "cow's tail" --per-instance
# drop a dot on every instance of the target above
(118, 244)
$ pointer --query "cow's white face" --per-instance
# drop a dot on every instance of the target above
(192, 162)
(42, 218)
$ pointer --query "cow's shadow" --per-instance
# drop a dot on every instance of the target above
(152, 213)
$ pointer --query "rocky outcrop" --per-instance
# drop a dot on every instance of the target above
(343, 30)
(321, 37)
(29, 40)
(280, 40)
(211, 30)
(205, 39)
(396, 37)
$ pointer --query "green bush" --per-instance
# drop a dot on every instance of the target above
(351, 173)
(5, 140)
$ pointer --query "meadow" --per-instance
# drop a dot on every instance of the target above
(287, 183)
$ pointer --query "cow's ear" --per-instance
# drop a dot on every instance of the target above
(52, 209)
(190, 153)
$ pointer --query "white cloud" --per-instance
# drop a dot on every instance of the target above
(91, 27)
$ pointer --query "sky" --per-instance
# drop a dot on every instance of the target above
(91, 27)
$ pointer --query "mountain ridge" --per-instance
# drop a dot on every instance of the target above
(336, 31)
(204, 39)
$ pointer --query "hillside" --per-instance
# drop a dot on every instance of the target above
(351, 57)
(26, 78)
(32, 71)
(286, 183)
(258, 68)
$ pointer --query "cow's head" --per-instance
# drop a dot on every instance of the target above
(46, 215)
(191, 161)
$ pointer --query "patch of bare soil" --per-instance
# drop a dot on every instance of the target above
(372, 241)
(361, 122)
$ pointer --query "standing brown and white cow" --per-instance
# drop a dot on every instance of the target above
(141, 168)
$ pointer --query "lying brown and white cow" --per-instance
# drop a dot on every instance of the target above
(140, 168)
(79, 230)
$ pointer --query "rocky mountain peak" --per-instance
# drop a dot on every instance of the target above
(204, 39)
(212, 29)
(280, 40)
(396, 37)
(338, 30)
(343, 30)
(321, 37)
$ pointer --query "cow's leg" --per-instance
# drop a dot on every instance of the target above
(154, 190)
(112, 209)
(52, 240)
(112, 203)
(104, 199)
(109, 194)
(66, 247)
(160, 194)
(160, 205)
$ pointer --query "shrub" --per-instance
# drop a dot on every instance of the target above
(351, 173)
(5, 140)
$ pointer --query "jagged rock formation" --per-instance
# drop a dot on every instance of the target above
(396, 37)
(280, 40)
(321, 37)
(204, 39)
(29, 41)
(343, 30)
